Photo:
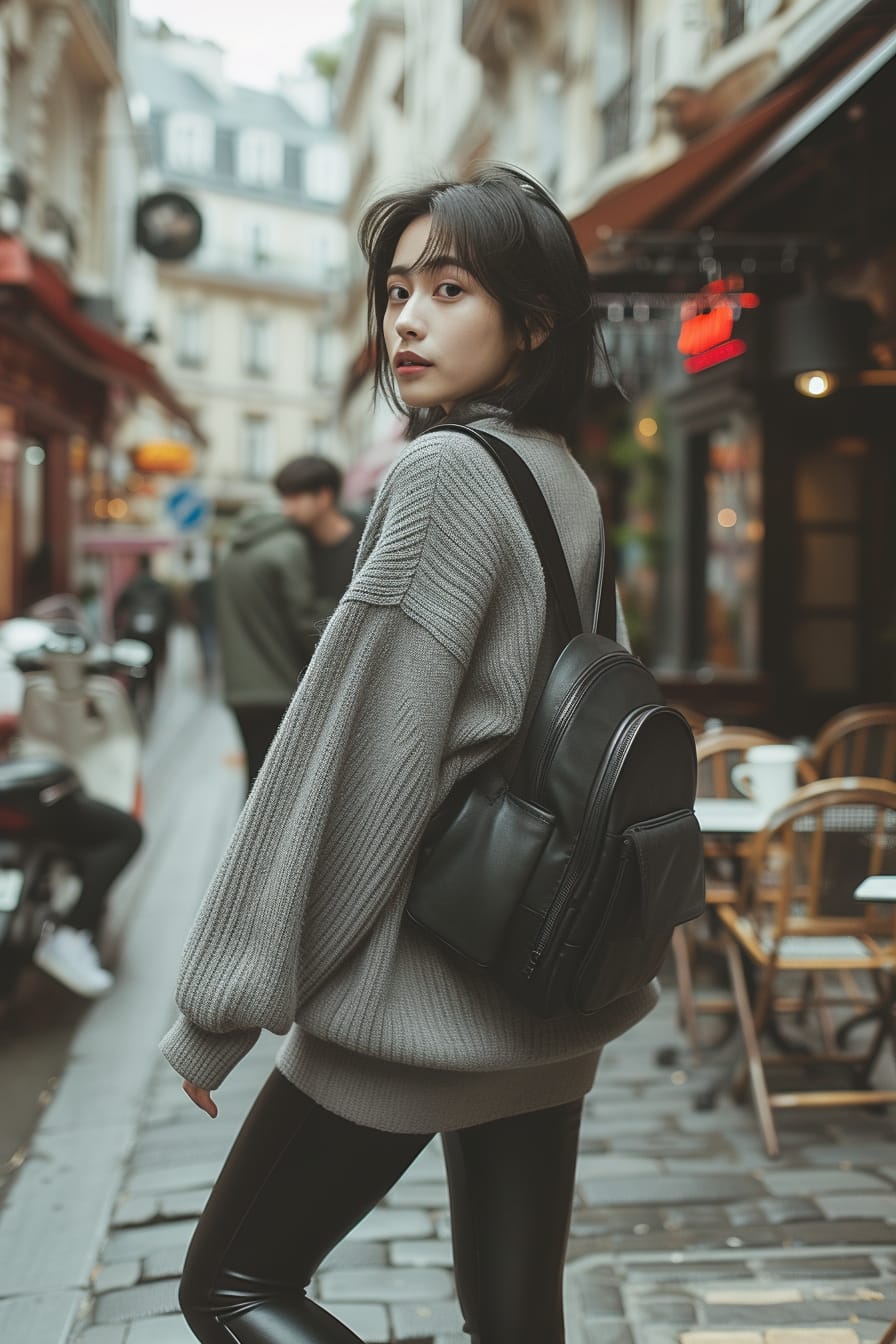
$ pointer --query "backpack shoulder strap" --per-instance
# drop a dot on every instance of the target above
(538, 519)
(605, 601)
(544, 533)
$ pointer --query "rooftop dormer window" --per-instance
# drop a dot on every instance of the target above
(260, 158)
(189, 142)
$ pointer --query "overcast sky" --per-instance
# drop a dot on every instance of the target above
(261, 37)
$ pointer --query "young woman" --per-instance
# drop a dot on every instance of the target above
(479, 309)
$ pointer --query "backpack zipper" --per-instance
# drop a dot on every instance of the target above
(584, 681)
(619, 751)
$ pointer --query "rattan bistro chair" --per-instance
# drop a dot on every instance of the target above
(718, 751)
(819, 846)
(860, 741)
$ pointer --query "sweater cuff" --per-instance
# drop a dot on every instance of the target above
(205, 1058)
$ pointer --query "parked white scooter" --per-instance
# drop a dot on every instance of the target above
(75, 710)
(77, 737)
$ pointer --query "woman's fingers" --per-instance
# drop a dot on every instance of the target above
(201, 1097)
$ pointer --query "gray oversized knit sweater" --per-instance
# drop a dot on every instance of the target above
(421, 675)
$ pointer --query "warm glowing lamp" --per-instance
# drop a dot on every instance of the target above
(816, 383)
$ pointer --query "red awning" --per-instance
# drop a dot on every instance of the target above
(633, 205)
(112, 360)
(686, 191)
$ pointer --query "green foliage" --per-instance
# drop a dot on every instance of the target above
(326, 61)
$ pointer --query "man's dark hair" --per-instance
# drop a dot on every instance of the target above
(307, 475)
(506, 230)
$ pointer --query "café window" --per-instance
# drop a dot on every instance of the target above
(726, 568)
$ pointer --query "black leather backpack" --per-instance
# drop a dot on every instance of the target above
(566, 890)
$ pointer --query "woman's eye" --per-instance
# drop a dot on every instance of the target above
(396, 294)
(450, 285)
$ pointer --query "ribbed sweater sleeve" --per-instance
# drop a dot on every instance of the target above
(370, 745)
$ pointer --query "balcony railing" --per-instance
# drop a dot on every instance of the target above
(106, 14)
(617, 122)
(734, 19)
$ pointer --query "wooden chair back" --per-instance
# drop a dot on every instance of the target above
(860, 741)
(815, 850)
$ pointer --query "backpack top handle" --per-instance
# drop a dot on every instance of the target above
(547, 541)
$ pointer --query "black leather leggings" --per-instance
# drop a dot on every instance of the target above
(298, 1178)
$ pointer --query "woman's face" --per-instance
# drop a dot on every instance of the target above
(445, 335)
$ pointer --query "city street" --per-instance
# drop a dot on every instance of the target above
(683, 1233)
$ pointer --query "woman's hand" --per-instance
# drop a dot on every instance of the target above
(202, 1098)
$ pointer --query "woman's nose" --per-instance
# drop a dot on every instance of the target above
(410, 320)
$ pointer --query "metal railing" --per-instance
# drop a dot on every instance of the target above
(617, 122)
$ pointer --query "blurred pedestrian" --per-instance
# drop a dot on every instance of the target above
(201, 603)
(144, 610)
(269, 610)
(480, 312)
(313, 485)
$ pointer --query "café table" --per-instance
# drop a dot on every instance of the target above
(730, 816)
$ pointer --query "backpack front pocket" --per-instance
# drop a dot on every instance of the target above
(658, 885)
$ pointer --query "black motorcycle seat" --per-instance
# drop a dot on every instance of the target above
(23, 776)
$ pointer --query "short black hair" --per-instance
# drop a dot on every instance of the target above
(508, 232)
(307, 475)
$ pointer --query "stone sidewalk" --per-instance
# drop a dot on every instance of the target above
(683, 1231)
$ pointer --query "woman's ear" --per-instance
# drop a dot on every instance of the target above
(534, 336)
(540, 335)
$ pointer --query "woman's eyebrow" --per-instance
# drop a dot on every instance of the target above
(434, 264)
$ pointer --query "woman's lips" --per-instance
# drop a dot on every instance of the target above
(408, 362)
(405, 370)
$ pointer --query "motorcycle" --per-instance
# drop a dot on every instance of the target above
(77, 740)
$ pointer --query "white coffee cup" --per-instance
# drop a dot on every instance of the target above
(767, 774)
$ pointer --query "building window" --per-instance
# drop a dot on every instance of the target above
(614, 70)
(326, 357)
(326, 173)
(734, 19)
(258, 242)
(260, 159)
(257, 346)
(190, 336)
(258, 448)
(190, 142)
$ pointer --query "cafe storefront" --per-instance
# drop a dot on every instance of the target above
(751, 479)
(66, 387)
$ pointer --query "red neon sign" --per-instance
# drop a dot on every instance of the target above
(719, 354)
(705, 330)
(707, 324)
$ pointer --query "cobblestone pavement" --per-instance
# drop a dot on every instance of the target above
(684, 1232)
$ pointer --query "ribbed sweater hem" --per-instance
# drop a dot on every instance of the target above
(401, 1099)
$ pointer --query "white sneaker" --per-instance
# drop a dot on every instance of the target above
(71, 958)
